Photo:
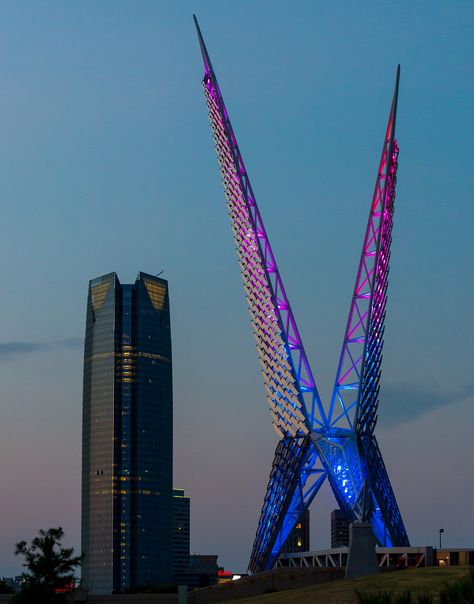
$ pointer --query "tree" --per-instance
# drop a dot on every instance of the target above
(50, 567)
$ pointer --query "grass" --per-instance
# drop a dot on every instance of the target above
(424, 585)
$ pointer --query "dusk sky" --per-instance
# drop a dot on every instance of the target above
(107, 164)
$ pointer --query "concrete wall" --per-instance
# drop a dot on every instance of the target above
(273, 580)
(118, 599)
(133, 599)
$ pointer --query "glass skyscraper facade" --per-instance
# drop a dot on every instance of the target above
(181, 537)
(298, 541)
(127, 454)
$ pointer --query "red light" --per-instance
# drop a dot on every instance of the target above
(224, 573)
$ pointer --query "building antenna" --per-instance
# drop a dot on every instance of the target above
(162, 271)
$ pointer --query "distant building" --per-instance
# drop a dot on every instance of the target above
(298, 541)
(387, 557)
(339, 529)
(460, 556)
(127, 435)
(202, 570)
(181, 537)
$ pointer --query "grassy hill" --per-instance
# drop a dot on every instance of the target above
(418, 581)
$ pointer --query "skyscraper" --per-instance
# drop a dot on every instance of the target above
(127, 435)
(339, 529)
(298, 541)
(181, 534)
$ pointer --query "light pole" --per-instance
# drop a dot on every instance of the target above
(440, 531)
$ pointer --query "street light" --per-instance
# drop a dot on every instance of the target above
(440, 531)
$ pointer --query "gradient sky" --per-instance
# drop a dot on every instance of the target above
(107, 165)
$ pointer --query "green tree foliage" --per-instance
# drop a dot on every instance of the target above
(49, 567)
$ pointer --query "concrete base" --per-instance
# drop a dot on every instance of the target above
(182, 594)
(362, 558)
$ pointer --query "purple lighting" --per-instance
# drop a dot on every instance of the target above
(314, 445)
(291, 390)
(368, 301)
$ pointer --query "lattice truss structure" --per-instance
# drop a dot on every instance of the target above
(335, 442)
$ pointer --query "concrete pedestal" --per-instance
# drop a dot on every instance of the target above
(362, 558)
(182, 594)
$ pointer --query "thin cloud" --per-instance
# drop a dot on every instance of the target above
(403, 403)
(75, 343)
(10, 351)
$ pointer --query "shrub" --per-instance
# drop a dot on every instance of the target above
(382, 597)
(460, 592)
(425, 598)
(404, 597)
